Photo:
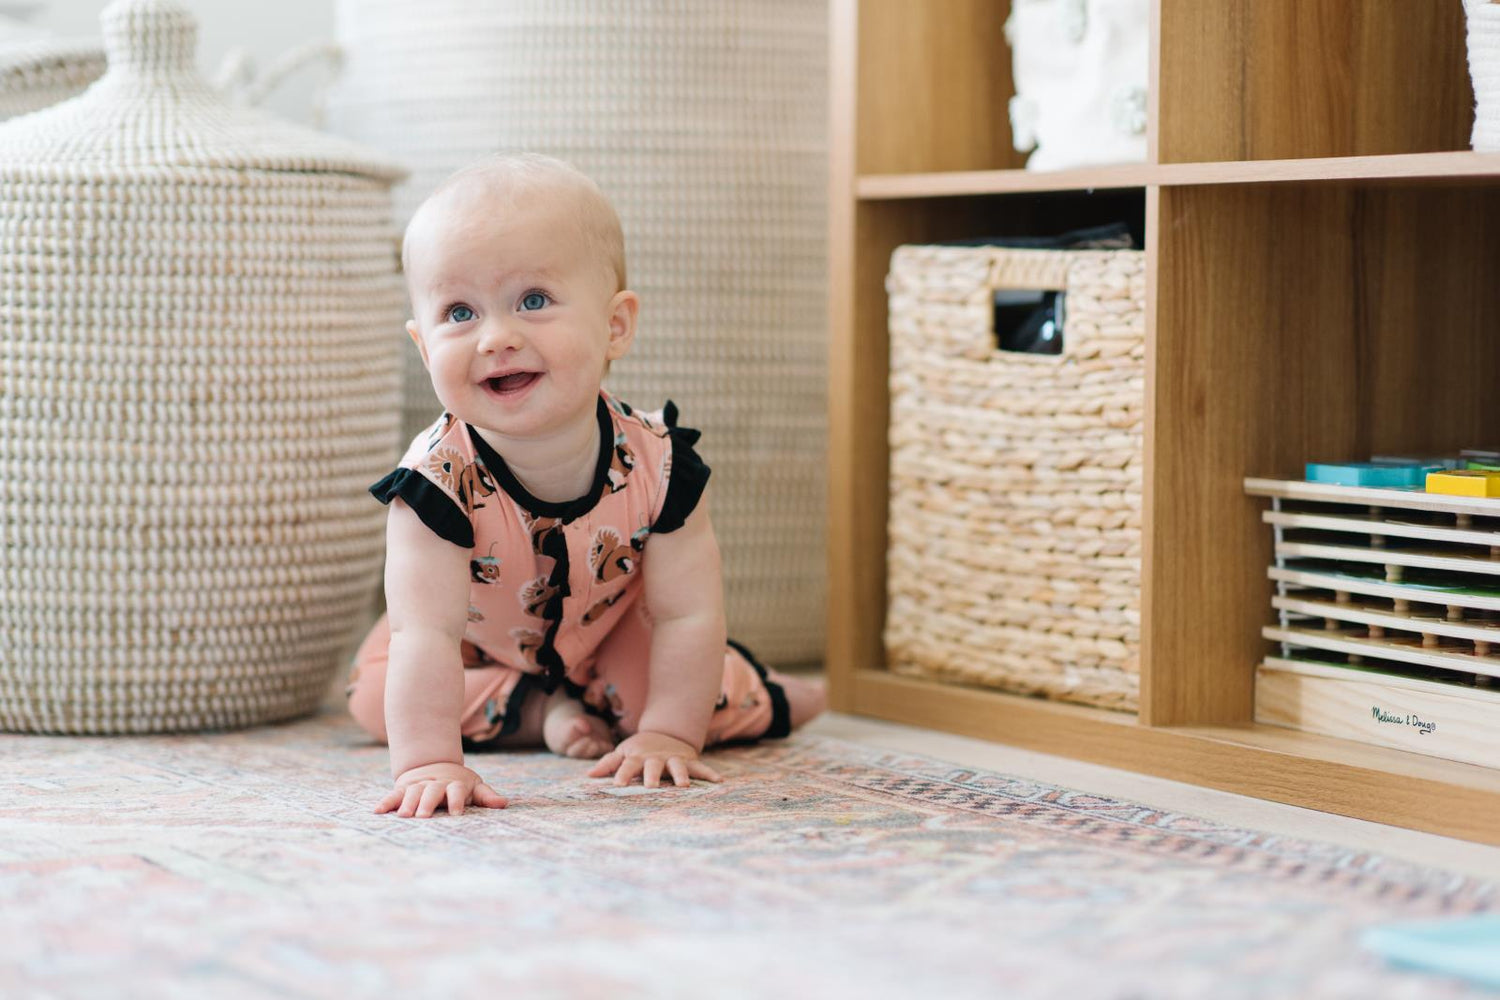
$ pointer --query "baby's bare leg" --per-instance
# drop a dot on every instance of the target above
(569, 731)
(529, 733)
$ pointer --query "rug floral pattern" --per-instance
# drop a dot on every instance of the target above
(249, 864)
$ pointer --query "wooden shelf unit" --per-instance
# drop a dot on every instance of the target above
(1320, 286)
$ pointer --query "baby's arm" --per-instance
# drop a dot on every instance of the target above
(427, 598)
(685, 595)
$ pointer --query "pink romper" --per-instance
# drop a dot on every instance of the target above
(556, 593)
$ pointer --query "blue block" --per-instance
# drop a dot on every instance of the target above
(1467, 947)
(1380, 475)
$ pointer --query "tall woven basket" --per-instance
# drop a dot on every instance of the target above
(198, 378)
(1015, 505)
(705, 124)
(37, 70)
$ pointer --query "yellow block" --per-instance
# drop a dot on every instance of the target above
(1465, 483)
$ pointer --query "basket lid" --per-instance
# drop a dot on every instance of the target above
(27, 53)
(152, 108)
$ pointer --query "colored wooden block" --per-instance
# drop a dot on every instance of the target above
(1465, 483)
(1374, 474)
(1431, 462)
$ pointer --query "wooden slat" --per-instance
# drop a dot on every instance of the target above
(1341, 672)
(1377, 588)
(1447, 168)
(1412, 558)
(1385, 618)
(1384, 649)
(1451, 167)
(1301, 769)
(1296, 489)
(872, 187)
(1425, 717)
(1370, 526)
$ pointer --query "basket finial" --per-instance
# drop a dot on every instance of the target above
(148, 37)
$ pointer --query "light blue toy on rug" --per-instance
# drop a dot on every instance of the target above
(1468, 947)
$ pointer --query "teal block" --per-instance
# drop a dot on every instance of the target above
(1380, 475)
(1467, 947)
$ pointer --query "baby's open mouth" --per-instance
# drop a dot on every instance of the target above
(514, 382)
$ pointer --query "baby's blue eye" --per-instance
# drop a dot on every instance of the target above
(460, 314)
(533, 300)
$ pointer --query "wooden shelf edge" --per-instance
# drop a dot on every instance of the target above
(883, 187)
(1458, 165)
(1301, 769)
(1445, 167)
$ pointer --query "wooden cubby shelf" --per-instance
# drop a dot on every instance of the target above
(1320, 287)
(1398, 168)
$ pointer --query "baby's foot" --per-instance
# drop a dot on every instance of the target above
(569, 731)
(805, 698)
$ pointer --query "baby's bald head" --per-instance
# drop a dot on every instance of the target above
(497, 182)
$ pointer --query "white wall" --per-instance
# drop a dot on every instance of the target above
(265, 28)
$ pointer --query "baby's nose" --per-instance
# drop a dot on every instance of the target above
(498, 336)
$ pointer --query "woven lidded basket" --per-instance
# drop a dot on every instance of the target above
(1015, 506)
(38, 70)
(199, 315)
(706, 126)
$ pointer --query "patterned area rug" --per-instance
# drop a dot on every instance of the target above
(250, 864)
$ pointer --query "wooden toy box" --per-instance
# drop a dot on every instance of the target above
(1387, 610)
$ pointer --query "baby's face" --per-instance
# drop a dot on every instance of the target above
(515, 314)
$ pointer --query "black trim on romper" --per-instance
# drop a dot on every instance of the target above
(553, 544)
(688, 477)
(436, 509)
(511, 719)
(567, 510)
(781, 713)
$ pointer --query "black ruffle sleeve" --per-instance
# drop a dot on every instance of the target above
(689, 475)
(436, 508)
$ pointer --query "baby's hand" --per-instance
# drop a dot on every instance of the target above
(421, 790)
(647, 755)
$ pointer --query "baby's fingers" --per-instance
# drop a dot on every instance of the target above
(679, 772)
(652, 776)
(698, 769)
(607, 764)
(410, 799)
(456, 798)
(486, 796)
(628, 771)
(392, 800)
(432, 795)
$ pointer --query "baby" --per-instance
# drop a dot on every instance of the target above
(551, 573)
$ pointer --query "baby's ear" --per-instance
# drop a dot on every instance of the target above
(623, 309)
(415, 334)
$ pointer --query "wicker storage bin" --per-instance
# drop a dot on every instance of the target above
(705, 123)
(1015, 507)
(199, 318)
(38, 70)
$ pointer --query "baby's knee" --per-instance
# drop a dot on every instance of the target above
(366, 690)
(366, 699)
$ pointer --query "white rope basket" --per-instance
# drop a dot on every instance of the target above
(1484, 71)
(1015, 505)
(705, 124)
(198, 381)
(38, 70)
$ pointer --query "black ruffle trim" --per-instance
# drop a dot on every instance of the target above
(436, 509)
(689, 475)
(781, 712)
